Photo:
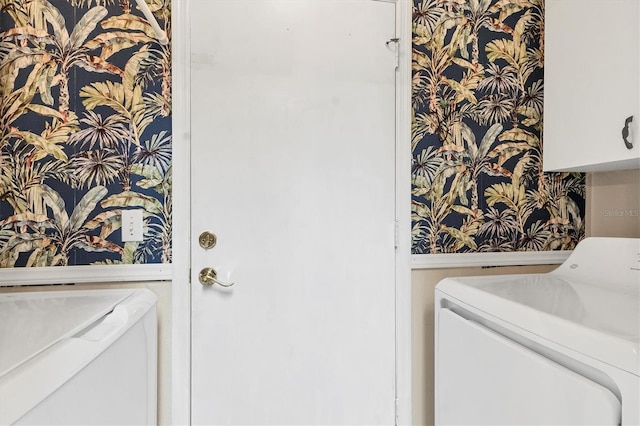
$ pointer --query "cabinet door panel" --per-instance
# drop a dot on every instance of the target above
(591, 84)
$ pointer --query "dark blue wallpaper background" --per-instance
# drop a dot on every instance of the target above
(477, 179)
(72, 162)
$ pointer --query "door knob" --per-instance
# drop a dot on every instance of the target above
(207, 240)
(209, 276)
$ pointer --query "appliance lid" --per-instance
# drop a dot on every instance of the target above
(591, 303)
(34, 321)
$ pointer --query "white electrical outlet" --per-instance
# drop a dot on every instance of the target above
(131, 225)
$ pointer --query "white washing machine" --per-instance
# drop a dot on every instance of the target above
(78, 357)
(561, 348)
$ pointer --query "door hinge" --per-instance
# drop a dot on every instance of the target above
(396, 234)
(189, 278)
(397, 420)
(395, 41)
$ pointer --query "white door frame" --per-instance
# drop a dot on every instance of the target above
(181, 289)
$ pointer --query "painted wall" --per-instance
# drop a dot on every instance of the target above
(85, 132)
(614, 204)
(477, 180)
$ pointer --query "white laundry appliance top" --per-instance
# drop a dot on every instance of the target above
(590, 304)
(32, 322)
(48, 338)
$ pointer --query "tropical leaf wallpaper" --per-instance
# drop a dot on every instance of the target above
(85, 132)
(477, 180)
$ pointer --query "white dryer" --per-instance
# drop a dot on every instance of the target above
(80, 357)
(561, 348)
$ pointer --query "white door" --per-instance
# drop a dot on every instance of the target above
(293, 158)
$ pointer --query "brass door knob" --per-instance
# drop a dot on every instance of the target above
(207, 240)
(209, 276)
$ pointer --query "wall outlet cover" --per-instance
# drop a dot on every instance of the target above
(132, 223)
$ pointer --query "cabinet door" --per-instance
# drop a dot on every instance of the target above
(592, 55)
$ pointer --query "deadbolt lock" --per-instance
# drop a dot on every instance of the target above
(207, 240)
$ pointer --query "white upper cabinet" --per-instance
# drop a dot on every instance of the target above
(592, 85)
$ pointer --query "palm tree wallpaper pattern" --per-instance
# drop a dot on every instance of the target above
(477, 180)
(86, 132)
